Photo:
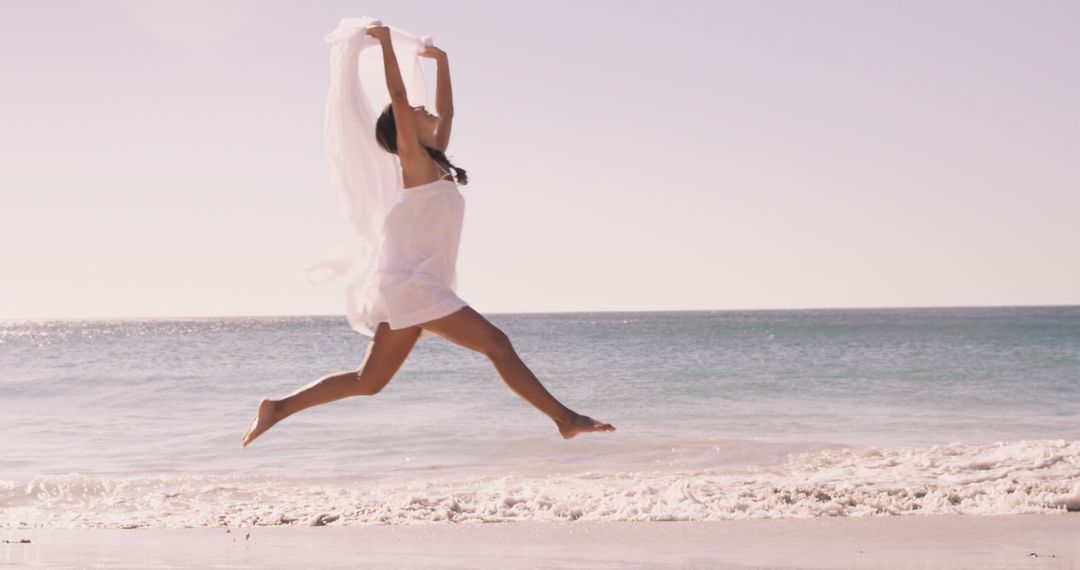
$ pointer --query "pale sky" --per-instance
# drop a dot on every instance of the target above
(166, 158)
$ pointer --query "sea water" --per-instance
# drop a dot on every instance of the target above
(719, 415)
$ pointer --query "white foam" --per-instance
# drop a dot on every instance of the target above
(1002, 478)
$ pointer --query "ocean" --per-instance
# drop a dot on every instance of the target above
(719, 415)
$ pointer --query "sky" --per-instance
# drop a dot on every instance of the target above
(166, 158)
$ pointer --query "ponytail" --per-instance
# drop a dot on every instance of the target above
(440, 157)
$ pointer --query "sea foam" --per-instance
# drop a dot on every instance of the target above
(1039, 476)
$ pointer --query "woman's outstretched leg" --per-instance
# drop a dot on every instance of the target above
(470, 329)
(385, 354)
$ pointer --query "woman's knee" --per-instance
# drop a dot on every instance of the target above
(369, 384)
(386, 353)
(497, 343)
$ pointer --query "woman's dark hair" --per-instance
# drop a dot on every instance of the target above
(386, 135)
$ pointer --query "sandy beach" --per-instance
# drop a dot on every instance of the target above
(924, 542)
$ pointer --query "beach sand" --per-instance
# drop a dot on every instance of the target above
(944, 541)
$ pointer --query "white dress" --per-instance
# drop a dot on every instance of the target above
(400, 266)
(417, 271)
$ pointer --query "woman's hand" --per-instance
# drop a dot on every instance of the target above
(433, 52)
(381, 33)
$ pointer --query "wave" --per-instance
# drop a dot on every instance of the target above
(1019, 477)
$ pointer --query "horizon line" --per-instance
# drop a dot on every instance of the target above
(342, 315)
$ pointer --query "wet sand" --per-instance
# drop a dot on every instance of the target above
(924, 542)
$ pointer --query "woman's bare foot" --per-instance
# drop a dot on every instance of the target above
(264, 419)
(581, 424)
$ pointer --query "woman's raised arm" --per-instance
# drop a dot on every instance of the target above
(408, 142)
(444, 97)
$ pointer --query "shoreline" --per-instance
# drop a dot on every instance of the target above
(916, 541)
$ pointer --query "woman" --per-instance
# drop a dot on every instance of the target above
(417, 265)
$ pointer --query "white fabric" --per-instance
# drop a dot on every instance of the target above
(400, 267)
(416, 275)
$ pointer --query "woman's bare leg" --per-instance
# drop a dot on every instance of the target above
(385, 354)
(470, 329)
